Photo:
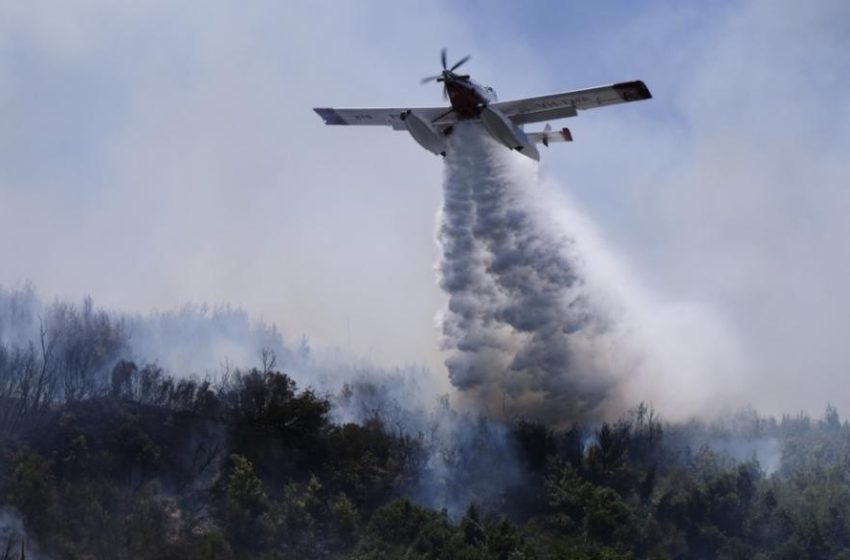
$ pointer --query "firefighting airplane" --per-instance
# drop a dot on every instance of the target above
(431, 126)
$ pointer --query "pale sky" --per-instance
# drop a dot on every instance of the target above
(154, 153)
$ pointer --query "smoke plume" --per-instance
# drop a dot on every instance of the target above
(15, 542)
(522, 334)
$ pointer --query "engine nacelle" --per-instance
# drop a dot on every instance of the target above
(424, 134)
(506, 132)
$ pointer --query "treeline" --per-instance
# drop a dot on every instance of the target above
(68, 360)
(149, 466)
(52, 353)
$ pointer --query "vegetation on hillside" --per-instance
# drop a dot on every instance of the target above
(148, 466)
(101, 457)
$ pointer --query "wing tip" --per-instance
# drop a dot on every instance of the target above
(644, 91)
(633, 91)
(330, 116)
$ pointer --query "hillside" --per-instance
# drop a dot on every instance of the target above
(148, 466)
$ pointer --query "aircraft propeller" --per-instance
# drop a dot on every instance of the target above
(447, 72)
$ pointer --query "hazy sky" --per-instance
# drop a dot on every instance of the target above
(154, 153)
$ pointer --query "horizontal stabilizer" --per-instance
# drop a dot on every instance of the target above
(546, 136)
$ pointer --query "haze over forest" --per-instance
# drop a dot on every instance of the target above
(229, 331)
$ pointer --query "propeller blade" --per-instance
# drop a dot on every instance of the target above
(445, 94)
(443, 57)
(460, 63)
(430, 79)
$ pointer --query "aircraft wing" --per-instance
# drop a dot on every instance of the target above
(385, 116)
(567, 104)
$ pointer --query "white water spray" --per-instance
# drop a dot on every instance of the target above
(534, 329)
(521, 332)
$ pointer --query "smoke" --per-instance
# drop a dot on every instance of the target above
(198, 339)
(522, 334)
(203, 341)
(190, 340)
(19, 311)
(15, 543)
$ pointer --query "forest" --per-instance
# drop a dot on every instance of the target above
(104, 457)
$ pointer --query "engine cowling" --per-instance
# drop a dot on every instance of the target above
(506, 132)
(424, 134)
